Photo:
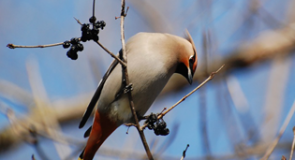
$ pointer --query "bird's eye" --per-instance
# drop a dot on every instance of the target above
(191, 62)
(192, 59)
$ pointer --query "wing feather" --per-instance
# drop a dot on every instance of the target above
(96, 95)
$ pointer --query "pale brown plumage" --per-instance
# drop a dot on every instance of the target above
(152, 59)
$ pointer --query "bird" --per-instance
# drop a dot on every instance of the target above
(152, 59)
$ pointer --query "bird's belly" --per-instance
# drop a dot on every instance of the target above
(143, 94)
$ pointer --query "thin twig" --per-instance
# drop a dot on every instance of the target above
(293, 144)
(184, 152)
(41, 99)
(93, 9)
(203, 112)
(33, 157)
(78, 21)
(282, 130)
(12, 46)
(237, 96)
(130, 124)
(36, 145)
(183, 98)
(60, 137)
(40, 151)
(15, 94)
(163, 110)
(125, 81)
(124, 14)
(112, 54)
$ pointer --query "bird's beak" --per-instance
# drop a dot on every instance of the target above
(191, 68)
(190, 76)
(187, 70)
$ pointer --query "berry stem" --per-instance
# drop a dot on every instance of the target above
(78, 21)
(12, 46)
(112, 54)
(93, 9)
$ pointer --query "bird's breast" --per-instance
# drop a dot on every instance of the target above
(147, 78)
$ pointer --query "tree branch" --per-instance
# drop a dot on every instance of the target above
(112, 54)
(12, 46)
(184, 152)
(282, 130)
(125, 82)
(64, 111)
(293, 144)
(183, 98)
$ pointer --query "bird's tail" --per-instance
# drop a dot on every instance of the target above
(81, 155)
(102, 127)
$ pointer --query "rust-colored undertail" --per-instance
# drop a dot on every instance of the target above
(102, 127)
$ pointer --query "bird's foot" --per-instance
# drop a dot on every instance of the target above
(128, 88)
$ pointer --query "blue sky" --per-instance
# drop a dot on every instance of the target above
(45, 22)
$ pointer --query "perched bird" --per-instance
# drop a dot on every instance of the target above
(152, 59)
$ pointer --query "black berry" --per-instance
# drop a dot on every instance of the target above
(80, 47)
(84, 38)
(95, 37)
(74, 48)
(92, 19)
(97, 25)
(165, 132)
(72, 54)
(85, 27)
(86, 35)
(103, 24)
(66, 44)
(153, 118)
(150, 126)
(95, 31)
(157, 132)
(74, 40)
(162, 125)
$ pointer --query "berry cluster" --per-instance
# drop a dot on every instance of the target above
(158, 125)
(91, 34)
(76, 46)
(87, 34)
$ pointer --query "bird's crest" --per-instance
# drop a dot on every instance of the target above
(190, 39)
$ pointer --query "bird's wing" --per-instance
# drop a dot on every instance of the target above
(87, 133)
(96, 95)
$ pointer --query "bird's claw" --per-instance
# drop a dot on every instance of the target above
(128, 88)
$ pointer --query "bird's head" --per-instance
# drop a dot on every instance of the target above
(188, 60)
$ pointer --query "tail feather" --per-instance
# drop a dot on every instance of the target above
(87, 133)
(81, 155)
(102, 127)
